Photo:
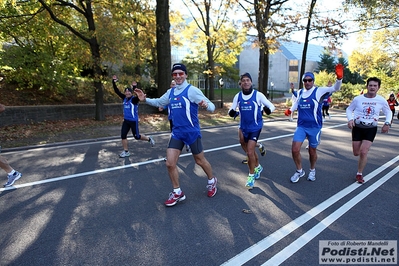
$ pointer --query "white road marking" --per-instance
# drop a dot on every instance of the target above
(272, 239)
(316, 230)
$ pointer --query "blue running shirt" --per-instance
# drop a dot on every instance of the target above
(184, 115)
(130, 110)
(309, 111)
(251, 113)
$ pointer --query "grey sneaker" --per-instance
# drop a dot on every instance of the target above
(262, 149)
(297, 175)
(152, 141)
(12, 178)
(124, 154)
(312, 175)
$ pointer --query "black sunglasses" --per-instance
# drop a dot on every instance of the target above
(307, 80)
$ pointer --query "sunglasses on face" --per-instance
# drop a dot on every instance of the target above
(307, 80)
(181, 74)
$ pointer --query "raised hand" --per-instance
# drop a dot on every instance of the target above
(339, 71)
(140, 94)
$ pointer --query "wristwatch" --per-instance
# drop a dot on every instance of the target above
(387, 123)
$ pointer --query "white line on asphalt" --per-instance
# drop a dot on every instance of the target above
(272, 239)
(55, 179)
(316, 230)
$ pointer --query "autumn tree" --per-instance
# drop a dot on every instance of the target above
(227, 46)
(375, 60)
(55, 40)
(37, 51)
(211, 19)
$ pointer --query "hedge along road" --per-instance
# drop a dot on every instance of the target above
(81, 204)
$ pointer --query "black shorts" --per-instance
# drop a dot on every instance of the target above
(130, 125)
(195, 148)
(359, 134)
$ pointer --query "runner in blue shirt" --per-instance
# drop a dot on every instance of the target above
(249, 103)
(183, 101)
(309, 123)
(130, 117)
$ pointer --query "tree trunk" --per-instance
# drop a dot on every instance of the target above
(211, 62)
(305, 45)
(98, 86)
(211, 73)
(163, 46)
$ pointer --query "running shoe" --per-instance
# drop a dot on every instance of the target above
(174, 198)
(297, 175)
(212, 189)
(312, 175)
(250, 182)
(262, 149)
(124, 154)
(245, 161)
(359, 179)
(152, 141)
(188, 148)
(257, 171)
(12, 178)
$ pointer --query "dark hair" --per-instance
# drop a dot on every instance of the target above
(374, 79)
(128, 89)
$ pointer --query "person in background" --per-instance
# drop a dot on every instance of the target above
(309, 121)
(363, 114)
(184, 101)
(249, 103)
(293, 99)
(326, 106)
(12, 175)
(326, 103)
(130, 116)
(392, 102)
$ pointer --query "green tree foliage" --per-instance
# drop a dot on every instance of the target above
(35, 51)
(228, 43)
(327, 62)
(381, 58)
(50, 43)
(213, 30)
(376, 61)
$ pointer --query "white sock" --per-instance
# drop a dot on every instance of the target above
(359, 173)
(312, 170)
(211, 181)
(12, 172)
(177, 190)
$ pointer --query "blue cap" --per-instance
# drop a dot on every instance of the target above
(246, 75)
(179, 66)
(308, 74)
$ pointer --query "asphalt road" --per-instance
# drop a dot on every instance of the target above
(81, 204)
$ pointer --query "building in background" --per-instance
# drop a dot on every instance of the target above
(284, 65)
